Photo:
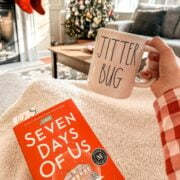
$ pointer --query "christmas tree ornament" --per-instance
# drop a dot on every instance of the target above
(88, 20)
(25, 5)
(87, 2)
(76, 13)
(91, 9)
(90, 32)
(73, 9)
(82, 27)
(82, 20)
(77, 22)
(81, 2)
(68, 15)
(88, 15)
(97, 20)
(94, 25)
(82, 7)
(37, 6)
(110, 13)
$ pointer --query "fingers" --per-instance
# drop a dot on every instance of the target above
(160, 45)
(167, 57)
(145, 74)
(153, 57)
(152, 67)
(148, 73)
(153, 62)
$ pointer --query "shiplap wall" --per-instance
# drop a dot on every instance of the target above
(33, 32)
(42, 27)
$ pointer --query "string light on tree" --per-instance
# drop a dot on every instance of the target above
(86, 16)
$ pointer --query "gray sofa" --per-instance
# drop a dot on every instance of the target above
(169, 26)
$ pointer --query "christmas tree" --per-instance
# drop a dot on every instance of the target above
(86, 16)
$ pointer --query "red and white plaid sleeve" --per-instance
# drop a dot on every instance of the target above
(167, 109)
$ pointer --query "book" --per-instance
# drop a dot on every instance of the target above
(58, 144)
(25, 115)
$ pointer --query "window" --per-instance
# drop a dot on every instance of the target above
(172, 2)
(125, 5)
(166, 2)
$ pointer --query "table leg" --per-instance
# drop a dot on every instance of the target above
(54, 65)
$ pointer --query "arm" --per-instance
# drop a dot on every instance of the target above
(167, 109)
(165, 66)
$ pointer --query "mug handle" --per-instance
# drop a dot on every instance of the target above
(145, 83)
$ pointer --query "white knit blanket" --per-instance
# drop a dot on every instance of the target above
(127, 128)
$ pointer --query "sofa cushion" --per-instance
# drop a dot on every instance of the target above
(177, 30)
(148, 22)
(171, 23)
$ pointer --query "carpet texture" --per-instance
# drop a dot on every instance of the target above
(127, 128)
(44, 71)
(11, 86)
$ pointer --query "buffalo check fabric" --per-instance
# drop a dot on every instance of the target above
(167, 109)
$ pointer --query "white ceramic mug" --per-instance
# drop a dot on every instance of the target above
(115, 63)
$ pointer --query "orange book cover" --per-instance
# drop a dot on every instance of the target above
(58, 144)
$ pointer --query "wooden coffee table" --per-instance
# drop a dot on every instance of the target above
(75, 56)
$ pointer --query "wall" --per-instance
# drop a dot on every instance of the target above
(42, 28)
(58, 9)
(171, 2)
(55, 23)
(176, 2)
(123, 16)
(33, 33)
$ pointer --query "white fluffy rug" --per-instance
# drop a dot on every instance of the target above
(127, 128)
(11, 87)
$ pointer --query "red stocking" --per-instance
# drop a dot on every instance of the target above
(24, 5)
(37, 6)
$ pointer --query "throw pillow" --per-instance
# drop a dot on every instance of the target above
(148, 22)
(147, 6)
(170, 23)
(177, 30)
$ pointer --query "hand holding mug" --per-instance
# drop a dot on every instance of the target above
(164, 66)
(116, 60)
